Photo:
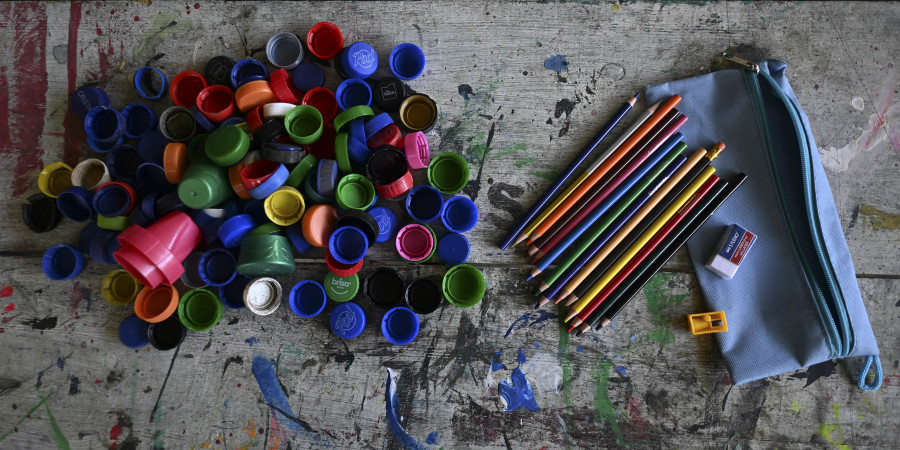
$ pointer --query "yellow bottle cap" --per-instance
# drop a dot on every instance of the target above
(285, 206)
(54, 179)
(119, 288)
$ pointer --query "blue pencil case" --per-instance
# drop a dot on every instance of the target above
(795, 301)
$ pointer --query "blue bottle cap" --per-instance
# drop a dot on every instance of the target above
(234, 121)
(348, 245)
(102, 246)
(424, 203)
(151, 178)
(459, 214)
(123, 161)
(137, 217)
(376, 123)
(359, 60)
(247, 70)
(217, 267)
(358, 129)
(86, 236)
(133, 332)
(103, 147)
(112, 200)
(139, 120)
(307, 76)
(233, 230)
(295, 234)
(62, 262)
(348, 320)
(271, 184)
(387, 223)
(150, 83)
(400, 325)
(148, 206)
(169, 202)
(232, 294)
(407, 61)
(327, 177)
(453, 249)
(152, 146)
(232, 207)
(307, 298)
(353, 92)
(257, 210)
(358, 151)
(201, 218)
(86, 98)
(104, 125)
(201, 120)
(76, 203)
(210, 231)
(166, 335)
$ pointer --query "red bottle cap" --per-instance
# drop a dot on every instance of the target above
(216, 102)
(323, 148)
(340, 269)
(185, 88)
(389, 135)
(257, 172)
(283, 87)
(324, 100)
(255, 118)
(325, 40)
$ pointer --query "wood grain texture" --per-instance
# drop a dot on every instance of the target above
(645, 382)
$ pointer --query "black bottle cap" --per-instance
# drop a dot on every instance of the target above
(384, 287)
(423, 296)
(218, 70)
(282, 152)
(167, 334)
(386, 164)
(359, 219)
(389, 92)
(40, 213)
(270, 131)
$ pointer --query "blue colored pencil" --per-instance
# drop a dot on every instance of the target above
(569, 171)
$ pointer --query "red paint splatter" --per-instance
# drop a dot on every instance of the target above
(639, 424)
(21, 116)
(99, 31)
(2, 330)
(112, 12)
(239, 384)
(217, 442)
(9, 319)
(77, 297)
(725, 381)
(115, 432)
(6, 292)
(262, 430)
(137, 19)
(196, 6)
(9, 307)
(188, 11)
(73, 126)
(98, 381)
(816, 87)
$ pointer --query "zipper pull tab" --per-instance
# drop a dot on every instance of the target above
(747, 65)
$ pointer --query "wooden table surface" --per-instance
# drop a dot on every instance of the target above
(521, 88)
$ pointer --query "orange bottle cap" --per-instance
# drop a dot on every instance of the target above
(253, 94)
(156, 305)
(318, 224)
(175, 161)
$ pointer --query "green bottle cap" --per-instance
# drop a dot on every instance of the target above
(197, 148)
(463, 286)
(204, 185)
(354, 112)
(354, 191)
(117, 223)
(199, 309)
(341, 289)
(265, 255)
(301, 170)
(266, 228)
(304, 124)
(227, 145)
(448, 172)
(342, 153)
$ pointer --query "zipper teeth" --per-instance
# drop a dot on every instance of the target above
(818, 245)
(834, 341)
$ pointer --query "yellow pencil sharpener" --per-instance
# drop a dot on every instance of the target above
(710, 322)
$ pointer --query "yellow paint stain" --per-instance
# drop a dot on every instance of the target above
(615, 7)
(827, 429)
(204, 445)
(250, 428)
(880, 219)
(796, 407)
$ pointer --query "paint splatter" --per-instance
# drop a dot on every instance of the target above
(251, 340)
(551, 174)
(434, 438)
(74, 386)
(659, 298)
(517, 392)
(536, 345)
(390, 402)
(621, 370)
(879, 130)
(795, 407)
(465, 91)
(61, 363)
(827, 430)
(115, 432)
(557, 63)
(278, 402)
(163, 27)
(6, 292)
(58, 437)
(603, 408)
(47, 323)
(496, 364)
(879, 219)
(858, 103)
(530, 320)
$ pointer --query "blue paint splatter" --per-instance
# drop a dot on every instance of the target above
(536, 345)
(496, 364)
(61, 363)
(557, 63)
(278, 402)
(521, 358)
(621, 370)
(433, 438)
(531, 319)
(251, 340)
(390, 399)
(518, 394)
(633, 337)
(579, 349)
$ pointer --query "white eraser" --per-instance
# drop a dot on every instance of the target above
(730, 251)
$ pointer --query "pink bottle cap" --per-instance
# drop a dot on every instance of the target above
(155, 255)
(415, 145)
(414, 242)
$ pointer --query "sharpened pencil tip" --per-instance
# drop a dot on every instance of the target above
(529, 278)
(653, 108)
(636, 96)
(544, 301)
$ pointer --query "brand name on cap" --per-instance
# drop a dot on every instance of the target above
(384, 223)
(389, 92)
(343, 285)
(84, 100)
(363, 58)
(345, 322)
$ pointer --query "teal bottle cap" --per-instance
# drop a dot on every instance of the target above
(227, 145)
(265, 255)
(199, 309)
(341, 289)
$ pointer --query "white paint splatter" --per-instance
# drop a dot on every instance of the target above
(490, 386)
(544, 372)
(858, 103)
(879, 130)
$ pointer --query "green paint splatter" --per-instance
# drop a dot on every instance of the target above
(164, 26)
(61, 442)
(552, 174)
(603, 408)
(522, 162)
(512, 149)
(478, 151)
(658, 299)
(566, 364)
(826, 429)
(668, 70)
(796, 407)
(293, 349)
(27, 415)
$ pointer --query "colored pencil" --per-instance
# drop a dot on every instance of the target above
(625, 209)
(587, 172)
(642, 254)
(579, 207)
(536, 208)
(643, 164)
(617, 252)
(592, 180)
(678, 238)
(641, 156)
(642, 241)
